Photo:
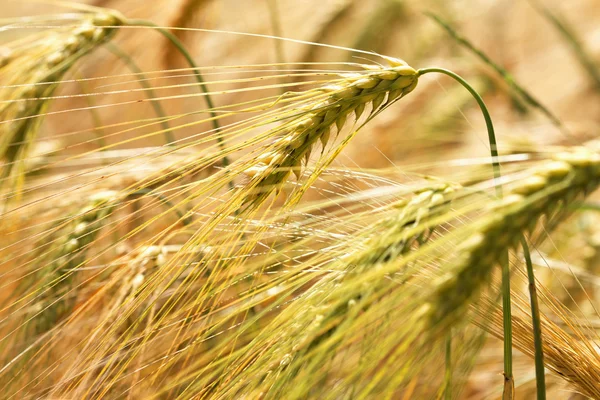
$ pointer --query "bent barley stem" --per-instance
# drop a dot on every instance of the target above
(486, 115)
(506, 304)
(181, 48)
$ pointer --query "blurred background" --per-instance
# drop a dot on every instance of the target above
(514, 34)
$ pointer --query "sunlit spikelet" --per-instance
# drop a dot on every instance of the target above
(545, 189)
(328, 108)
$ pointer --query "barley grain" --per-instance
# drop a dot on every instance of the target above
(333, 105)
(549, 185)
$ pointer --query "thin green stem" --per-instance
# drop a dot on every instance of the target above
(540, 376)
(448, 374)
(169, 138)
(484, 111)
(181, 48)
(506, 302)
(509, 383)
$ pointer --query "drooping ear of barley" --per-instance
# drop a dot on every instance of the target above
(57, 268)
(328, 109)
(32, 71)
(306, 119)
(548, 188)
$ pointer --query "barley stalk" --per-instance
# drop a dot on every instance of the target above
(567, 352)
(536, 324)
(377, 88)
(550, 186)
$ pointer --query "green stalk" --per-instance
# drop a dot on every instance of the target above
(169, 138)
(506, 303)
(509, 382)
(181, 48)
(448, 374)
(540, 376)
(486, 115)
